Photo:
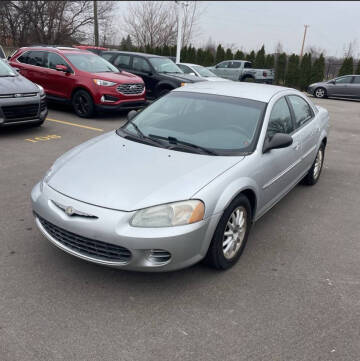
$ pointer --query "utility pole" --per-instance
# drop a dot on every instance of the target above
(179, 33)
(96, 24)
(303, 42)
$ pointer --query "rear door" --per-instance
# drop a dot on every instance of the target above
(32, 65)
(306, 128)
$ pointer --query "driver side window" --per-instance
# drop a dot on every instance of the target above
(280, 119)
(141, 64)
(223, 65)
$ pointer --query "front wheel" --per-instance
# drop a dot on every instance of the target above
(83, 104)
(314, 172)
(320, 93)
(231, 234)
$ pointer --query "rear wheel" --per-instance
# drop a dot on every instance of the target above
(231, 234)
(320, 93)
(313, 175)
(83, 104)
(248, 79)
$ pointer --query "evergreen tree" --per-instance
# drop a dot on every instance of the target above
(200, 57)
(165, 51)
(192, 54)
(220, 54)
(184, 55)
(229, 55)
(251, 57)
(280, 68)
(209, 58)
(157, 50)
(269, 61)
(239, 55)
(358, 68)
(318, 69)
(292, 72)
(305, 71)
(347, 67)
(260, 58)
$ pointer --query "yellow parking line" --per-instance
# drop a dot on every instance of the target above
(75, 124)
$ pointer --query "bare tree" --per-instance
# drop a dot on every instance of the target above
(154, 23)
(48, 22)
(315, 51)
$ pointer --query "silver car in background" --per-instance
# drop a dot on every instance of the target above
(183, 180)
(347, 86)
(199, 71)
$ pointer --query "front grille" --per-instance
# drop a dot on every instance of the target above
(86, 246)
(20, 112)
(129, 89)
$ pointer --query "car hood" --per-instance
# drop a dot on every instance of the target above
(215, 78)
(113, 172)
(321, 83)
(122, 77)
(186, 78)
(16, 84)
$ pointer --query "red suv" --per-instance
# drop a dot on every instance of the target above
(79, 77)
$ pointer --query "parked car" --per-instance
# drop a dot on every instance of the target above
(242, 70)
(347, 86)
(81, 78)
(159, 73)
(95, 49)
(198, 167)
(21, 101)
(199, 71)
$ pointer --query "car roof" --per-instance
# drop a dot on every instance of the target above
(259, 92)
(56, 49)
(145, 55)
(190, 64)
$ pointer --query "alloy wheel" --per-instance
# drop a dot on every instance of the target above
(235, 231)
(320, 93)
(318, 163)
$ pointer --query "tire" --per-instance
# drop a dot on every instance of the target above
(163, 92)
(320, 93)
(248, 79)
(83, 104)
(314, 172)
(225, 250)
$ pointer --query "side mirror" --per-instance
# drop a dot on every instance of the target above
(216, 66)
(131, 115)
(278, 140)
(63, 68)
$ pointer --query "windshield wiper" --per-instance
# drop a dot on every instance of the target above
(175, 141)
(143, 136)
(169, 72)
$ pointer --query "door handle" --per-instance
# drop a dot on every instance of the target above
(296, 146)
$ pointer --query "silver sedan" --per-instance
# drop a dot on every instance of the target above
(183, 180)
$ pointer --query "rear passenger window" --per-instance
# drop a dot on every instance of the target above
(302, 110)
(185, 68)
(280, 119)
(24, 58)
(37, 58)
(356, 80)
(122, 61)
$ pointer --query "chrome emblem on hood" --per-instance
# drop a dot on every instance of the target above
(71, 211)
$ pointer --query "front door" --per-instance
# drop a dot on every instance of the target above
(142, 68)
(279, 167)
(341, 87)
(59, 83)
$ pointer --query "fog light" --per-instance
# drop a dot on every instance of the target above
(108, 99)
(158, 256)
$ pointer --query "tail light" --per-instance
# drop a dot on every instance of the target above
(264, 74)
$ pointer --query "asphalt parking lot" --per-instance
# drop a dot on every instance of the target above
(294, 295)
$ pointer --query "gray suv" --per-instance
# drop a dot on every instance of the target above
(347, 86)
(21, 101)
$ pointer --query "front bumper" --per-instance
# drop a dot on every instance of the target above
(122, 106)
(185, 244)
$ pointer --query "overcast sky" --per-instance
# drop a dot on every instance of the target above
(249, 24)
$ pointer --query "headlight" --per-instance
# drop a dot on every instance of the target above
(171, 214)
(103, 82)
(42, 91)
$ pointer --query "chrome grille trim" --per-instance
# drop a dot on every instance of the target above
(130, 89)
(83, 247)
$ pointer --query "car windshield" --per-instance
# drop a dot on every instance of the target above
(225, 125)
(206, 73)
(91, 63)
(164, 65)
(6, 70)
